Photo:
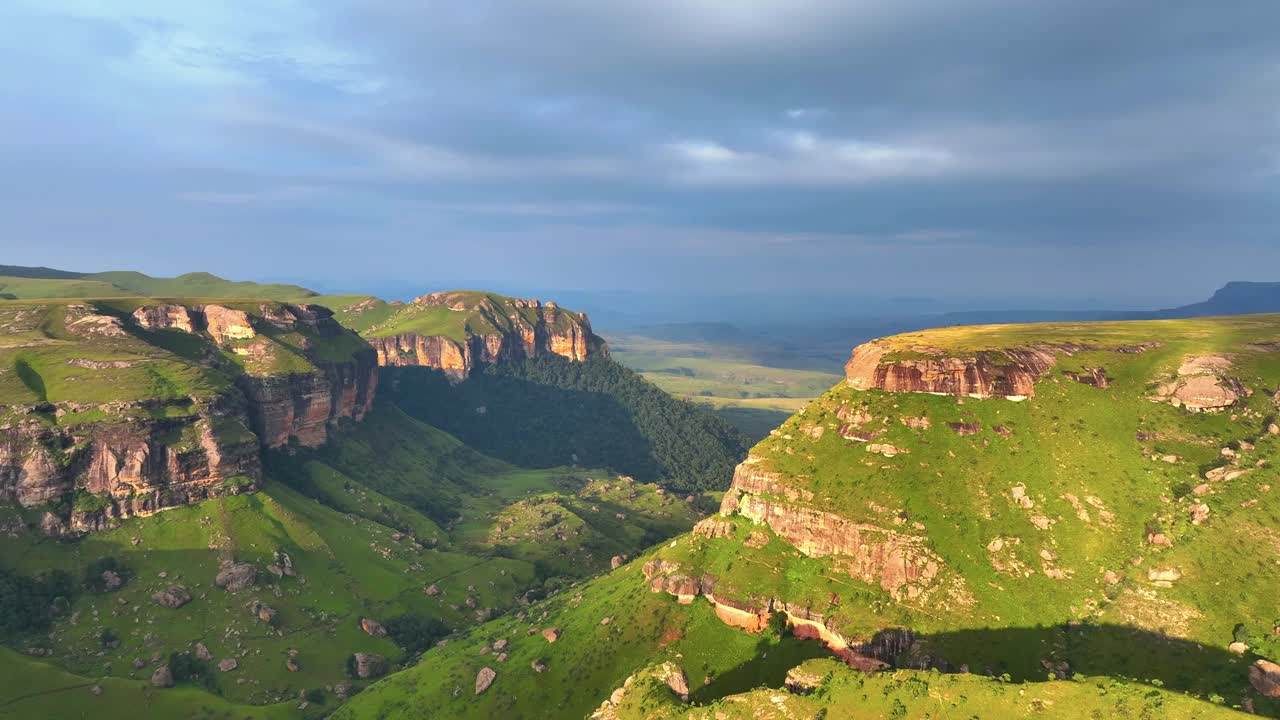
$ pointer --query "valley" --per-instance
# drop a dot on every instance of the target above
(270, 508)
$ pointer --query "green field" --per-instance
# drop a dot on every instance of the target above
(754, 397)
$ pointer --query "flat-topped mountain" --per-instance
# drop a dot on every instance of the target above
(110, 409)
(456, 330)
(1113, 476)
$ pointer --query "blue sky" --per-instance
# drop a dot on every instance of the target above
(1127, 153)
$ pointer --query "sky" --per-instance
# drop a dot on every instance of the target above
(1083, 151)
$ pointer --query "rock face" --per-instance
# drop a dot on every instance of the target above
(297, 373)
(1008, 372)
(495, 330)
(899, 563)
(996, 373)
(131, 467)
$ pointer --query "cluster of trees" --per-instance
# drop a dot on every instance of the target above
(27, 603)
(548, 411)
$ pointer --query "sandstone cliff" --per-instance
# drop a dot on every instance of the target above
(165, 421)
(455, 331)
(1005, 372)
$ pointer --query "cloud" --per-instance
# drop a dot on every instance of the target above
(1037, 125)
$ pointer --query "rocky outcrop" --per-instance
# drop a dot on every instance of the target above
(754, 615)
(1264, 676)
(901, 564)
(1202, 384)
(128, 459)
(306, 406)
(370, 665)
(494, 330)
(1010, 373)
(155, 456)
(1007, 372)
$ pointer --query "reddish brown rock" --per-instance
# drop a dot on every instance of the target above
(552, 634)
(1264, 676)
(529, 328)
(996, 373)
(484, 679)
(373, 627)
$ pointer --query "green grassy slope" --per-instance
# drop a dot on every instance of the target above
(36, 686)
(1103, 469)
(35, 285)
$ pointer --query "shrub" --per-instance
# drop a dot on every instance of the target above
(93, 579)
(415, 633)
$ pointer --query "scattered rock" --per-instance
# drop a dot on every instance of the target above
(1111, 577)
(228, 664)
(1238, 647)
(162, 677)
(234, 577)
(965, 428)
(111, 580)
(552, 634)
(539, 665)
(616, 561)
(174, 596)
(432, 590)
(484, 679)
(202, 652)
(1164, 575)
(1199, 513)
(373, 627)
(1159, 539)
(1202, 489)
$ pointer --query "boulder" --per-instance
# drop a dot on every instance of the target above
(1164, 574)
(174, 596)
(201, 652)
(111, 580)
(674, 677)
(484, 679)
(1238, 647)
(369, 665)
(500, 644)
(552, 634)
(432, 590)
(1264, 676)
(539, 665)
(616, 561)
(373, 627)
(234, 577)
(162, 677)
(228, 664)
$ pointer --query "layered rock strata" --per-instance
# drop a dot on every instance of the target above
(126, 459)
(493, 332)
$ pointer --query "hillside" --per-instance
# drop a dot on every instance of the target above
(1046, 514)
(392, 521)
(26, 283)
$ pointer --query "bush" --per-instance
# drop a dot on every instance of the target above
(26, 602)
(93, 580)
(415, 633)
(1240, 633)
(186, 668)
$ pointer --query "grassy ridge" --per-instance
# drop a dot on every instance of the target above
(125, 283)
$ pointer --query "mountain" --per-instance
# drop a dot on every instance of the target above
(19, 282)
(314, 535)
(457, 330)
(1054, 520)
(1234, 298)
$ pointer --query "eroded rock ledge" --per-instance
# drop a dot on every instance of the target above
(543, 328)
(1008, 373)
(127, 459)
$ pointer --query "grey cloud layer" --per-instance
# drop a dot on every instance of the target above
(1001, 131)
